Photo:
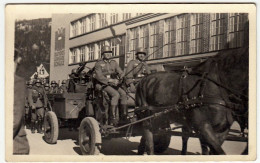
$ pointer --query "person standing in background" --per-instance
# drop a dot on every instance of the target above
(20, 142)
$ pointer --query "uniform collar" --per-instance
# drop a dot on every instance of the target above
(107, 61)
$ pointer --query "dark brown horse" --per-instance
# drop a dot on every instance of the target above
(208, 95)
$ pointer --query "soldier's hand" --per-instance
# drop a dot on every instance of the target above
(113, 82)
(33, 107)
(132, 88)
(116, 82)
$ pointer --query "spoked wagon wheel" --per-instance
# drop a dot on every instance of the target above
(161, 142)
(51, 128)
(89, 136)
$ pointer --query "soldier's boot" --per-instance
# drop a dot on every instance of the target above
(113, 120)
(39, 127)
(33, 127)
(123, 112)
(27, 121)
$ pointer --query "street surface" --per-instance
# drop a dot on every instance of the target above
(67, 145)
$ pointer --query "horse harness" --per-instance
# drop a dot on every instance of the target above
(200, 100)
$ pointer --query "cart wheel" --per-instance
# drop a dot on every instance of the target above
(161, 142)
(51, 128)
(89, 136)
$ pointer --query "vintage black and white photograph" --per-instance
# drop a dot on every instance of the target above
(119, 80)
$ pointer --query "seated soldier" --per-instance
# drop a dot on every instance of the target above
(63, 88)
(104, 70)
(54, 88)
(136, 69)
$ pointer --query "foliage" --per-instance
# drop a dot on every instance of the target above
(29, 34)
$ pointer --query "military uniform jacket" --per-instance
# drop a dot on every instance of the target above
(26, 104)
(37, 97)
(54, 90)
(140, 71)
(104, 70)
(63, 89)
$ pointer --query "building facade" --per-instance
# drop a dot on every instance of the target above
(169, 39)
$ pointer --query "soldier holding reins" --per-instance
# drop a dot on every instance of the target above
(136, 69)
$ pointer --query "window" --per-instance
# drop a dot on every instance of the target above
(154, 31)
(133, 41)
(83, 26)
(73, 55)
(236, 29)
(102, 20)
(91, 51)
(74, 29)
(217, 31)
(126, 16)
(114, 43)
(113, 18)
(196, 33)
(182, 33)
(82, 54)
(139, 14)
(92, 22)
(168, 49)
(100, 45)
(144, 37)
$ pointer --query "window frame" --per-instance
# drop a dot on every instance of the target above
(182, 34)
(217, 31)
(169, 30)
(153, 34)
(196, 33)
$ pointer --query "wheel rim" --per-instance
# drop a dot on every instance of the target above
(47, 127)
(86, 139)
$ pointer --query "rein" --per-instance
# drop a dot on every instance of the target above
(220, 85)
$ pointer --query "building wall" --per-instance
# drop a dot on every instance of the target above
(58, 73)
(189, 37)
(78, 38)
(192, 36)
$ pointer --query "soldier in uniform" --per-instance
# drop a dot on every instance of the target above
(47, 88)
(105, 69)
(38, 101)
(27, 116)
(54, 88)
(136, 69)
(63, 87)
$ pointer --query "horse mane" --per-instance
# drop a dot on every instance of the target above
(231, 65)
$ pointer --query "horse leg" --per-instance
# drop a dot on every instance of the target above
(209, 136)
(204, 147)
(185, 139)
(141, 147)
(149, 141)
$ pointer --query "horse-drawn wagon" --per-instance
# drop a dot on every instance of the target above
(209, 97)
(94, 125)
